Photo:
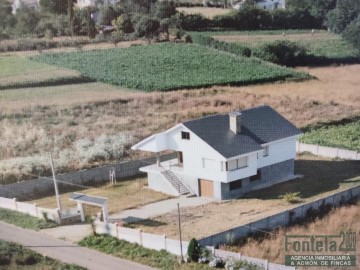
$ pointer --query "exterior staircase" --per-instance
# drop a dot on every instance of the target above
(175, 182)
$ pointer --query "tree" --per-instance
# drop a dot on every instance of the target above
(6, 17)
(26, 20)
(123, 24)
(70, 13)
(165, 9)
(345, 12)
(91, 30)
(352, 33)
(54, 6)
(107, 15)
(147, 27)
(193, 250)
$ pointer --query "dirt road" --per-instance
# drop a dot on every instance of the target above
(65, 251)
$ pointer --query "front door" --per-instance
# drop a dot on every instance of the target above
(206, 188)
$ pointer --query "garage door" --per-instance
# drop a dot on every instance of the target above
(206, 188)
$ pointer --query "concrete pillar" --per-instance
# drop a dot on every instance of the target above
(105, 213)
(81, 210)
(158, 159)
(15, 204)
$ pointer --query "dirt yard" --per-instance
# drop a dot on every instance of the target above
(324, 175)
(124, 195)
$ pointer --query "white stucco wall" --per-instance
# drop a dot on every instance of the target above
(202, 161)
(271, 4)
(279, 151)
(158, 183)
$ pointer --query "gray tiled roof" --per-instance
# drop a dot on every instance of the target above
(259, 125)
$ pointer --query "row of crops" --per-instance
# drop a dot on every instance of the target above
(343, 135)
(169, 67)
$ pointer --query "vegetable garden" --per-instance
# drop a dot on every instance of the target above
(169, 67)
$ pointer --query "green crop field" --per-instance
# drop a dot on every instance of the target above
(320, 44)
(169, 67)
(337, 135)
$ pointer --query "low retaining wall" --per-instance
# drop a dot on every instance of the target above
(161, 242)
(324, 151)
(30, 209)
(152, 241)
(33, 189)
(279, 220)
(237, 256)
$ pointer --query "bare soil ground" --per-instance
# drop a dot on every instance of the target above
(325, 177)
(124, 195)
(257, 39)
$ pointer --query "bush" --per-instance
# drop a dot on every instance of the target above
(221, 45)
(193, 22)
(193, 250)
(291, 197)
(282, 52)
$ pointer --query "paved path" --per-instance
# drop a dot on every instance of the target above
(158, 208)
(65, 251)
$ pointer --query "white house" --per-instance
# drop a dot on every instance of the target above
(263, 4)
(92, 3)
(224, 156)
(33, 4)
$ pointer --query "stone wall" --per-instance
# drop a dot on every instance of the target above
(33, 189)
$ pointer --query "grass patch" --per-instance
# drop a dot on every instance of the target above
(14, 256)
(343, 134)
(24, 220)
(169, 67)
(137, 253)
(325, 47)
(17, 72)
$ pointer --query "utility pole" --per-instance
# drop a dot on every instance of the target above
(181, 250)
(55, 183)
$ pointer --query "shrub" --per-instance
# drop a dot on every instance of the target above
(193, 250)
(193, 22)
(282, 52)
(27, 257)
(291, 197)
(234, 48)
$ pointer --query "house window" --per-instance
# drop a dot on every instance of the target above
(235, 164)
(185, 135)
(256, 177)
(235, 184)
(266, 151)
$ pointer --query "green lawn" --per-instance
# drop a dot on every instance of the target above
(16, 72)
(169, 67)
(321, 44)
(342, 135)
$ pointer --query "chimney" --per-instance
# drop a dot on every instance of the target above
(235, 122)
